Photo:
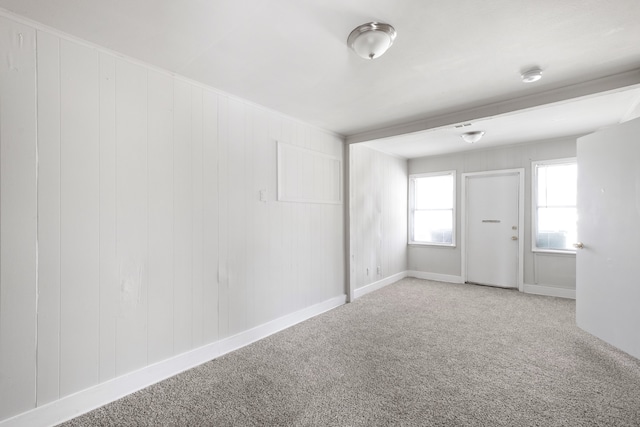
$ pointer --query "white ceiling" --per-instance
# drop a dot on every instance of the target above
(291, 55)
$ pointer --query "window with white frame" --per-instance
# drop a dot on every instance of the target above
(432, 213)
(554, 205)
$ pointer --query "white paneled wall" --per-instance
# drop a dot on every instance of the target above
(18, 218)
(378, 208)
(49, 253)
(308, 176)
(131, 219)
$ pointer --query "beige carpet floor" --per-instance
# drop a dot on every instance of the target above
(416, 353)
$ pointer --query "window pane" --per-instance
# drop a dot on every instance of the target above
(434, 192)
(557, 228)
(433, 226)
(557, 185)
(541, 172)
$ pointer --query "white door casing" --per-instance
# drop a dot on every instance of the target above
(492, 232)
(608, 265)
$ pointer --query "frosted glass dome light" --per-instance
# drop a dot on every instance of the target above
(371, 40)
(532, 75)
(472, 137)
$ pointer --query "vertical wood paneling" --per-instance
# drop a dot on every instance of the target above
(329, 188)
(182, 218)
(210, 220)
(259, 153)
(276, 303)
(306, 178)
(386, 257)
(160, 152)
(197, 214)
(108, 225)
(324, 213)
(388, 179)
(294, 229)
(360, 160)
(237, 218)
(223, 225)
(251, 195)
(379, 185)
(372, 217)
(328, 220)
(132, 223)
(351, 221)
(317, 237)
(306, 252)
(305, 245)
(300, 238)
(17, 218)
(379, 221)
(289, 290)
(399, 204)
(80, 211)
(152, 238)
(336, 266)
(48, 218)
(337, 262)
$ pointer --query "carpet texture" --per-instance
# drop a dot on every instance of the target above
(417, 353)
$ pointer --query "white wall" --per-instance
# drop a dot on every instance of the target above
(378, 192)
(550, 270)
(132, 229)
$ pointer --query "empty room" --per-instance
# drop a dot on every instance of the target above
(310, 213)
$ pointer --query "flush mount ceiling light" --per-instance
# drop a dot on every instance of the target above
(371, 40)
(532, 75)
(472, 137)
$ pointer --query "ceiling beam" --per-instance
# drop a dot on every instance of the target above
(597, 87)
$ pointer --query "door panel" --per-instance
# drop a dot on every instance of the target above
(492, 227)
(607, 268)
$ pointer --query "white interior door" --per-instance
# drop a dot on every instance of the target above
(608, 266)
(492, 228)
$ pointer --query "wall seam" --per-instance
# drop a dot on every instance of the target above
(147, 254)
(173, 219)
(37, 248)
(202, 246)
(99, 218)
(60, 216)
(115, 166)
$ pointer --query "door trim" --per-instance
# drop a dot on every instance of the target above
(463, 219)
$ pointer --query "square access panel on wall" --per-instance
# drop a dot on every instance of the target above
(308, 176)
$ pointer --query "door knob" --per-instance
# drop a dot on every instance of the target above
(578, 245)
(514, 237)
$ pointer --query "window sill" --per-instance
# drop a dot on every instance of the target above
(553, 252)
(432, 245)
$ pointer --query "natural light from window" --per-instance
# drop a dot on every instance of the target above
(432, 214)
(555, 211)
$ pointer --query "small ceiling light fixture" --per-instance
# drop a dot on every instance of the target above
(472, 137)
(532, 75)
(371, 40)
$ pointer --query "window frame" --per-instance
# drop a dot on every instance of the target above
(411, 204)
(534, 203)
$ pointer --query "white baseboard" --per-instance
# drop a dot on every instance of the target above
(435, 276)
(550, 291)
(86, 400)
(379, 284)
